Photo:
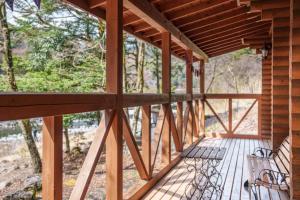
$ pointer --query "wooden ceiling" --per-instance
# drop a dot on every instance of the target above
(208, 27)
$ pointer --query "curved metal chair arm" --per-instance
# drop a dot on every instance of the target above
(277, 179)
(263, 152)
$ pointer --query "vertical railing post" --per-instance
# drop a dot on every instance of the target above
(202, 92)
(179, 123)
(166, 89)
(114, 59)
(230, 116)
(189, 92)
(52, 172)
(197, 119)
(146, 137)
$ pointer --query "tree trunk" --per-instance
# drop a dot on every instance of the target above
(157, 71)
(67, 140)
(140, 85)
(8, 65)
(34, 153)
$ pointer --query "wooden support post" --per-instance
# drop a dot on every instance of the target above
(280, 75)
(114, 59)
(179, 123)
(166, 89)
(52, 172)
(189, 92)
(189, 74)
(295, 99)
(146, 138)
(202, 92)
(230, 116)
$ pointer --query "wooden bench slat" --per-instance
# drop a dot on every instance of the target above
(279, 163)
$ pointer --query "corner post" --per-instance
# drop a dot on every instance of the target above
(166, 89)
(114, 84)
(294, 119)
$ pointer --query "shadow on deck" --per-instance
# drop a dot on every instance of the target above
(233, 168)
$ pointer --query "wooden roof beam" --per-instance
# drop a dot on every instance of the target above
(266, 40)
(146, 11)
(96, 3)
(269, 4)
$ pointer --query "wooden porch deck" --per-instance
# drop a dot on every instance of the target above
(233, 168)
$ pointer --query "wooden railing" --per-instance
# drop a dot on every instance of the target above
(231, 129)
(185, 128)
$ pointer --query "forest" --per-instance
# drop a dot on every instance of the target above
(59, 48)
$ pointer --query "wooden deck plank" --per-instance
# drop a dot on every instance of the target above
(231, 172)
(236, 188)
(233, 169)
(244, 193)
(225, 165)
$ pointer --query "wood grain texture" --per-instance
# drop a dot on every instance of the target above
(52, 172)
(295, 97)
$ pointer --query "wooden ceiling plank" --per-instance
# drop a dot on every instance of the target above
(218, 24)
(197, 7)
(226, 47)
(192, 25)
(227, 51)
(230, 33)
(146, 11)
(203, 15)
(225, 29)
(172, 5)
(224, 44)
(261, 31)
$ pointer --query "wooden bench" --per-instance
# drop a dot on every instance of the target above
(269, 168)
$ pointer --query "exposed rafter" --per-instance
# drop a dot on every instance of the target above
(151, 15)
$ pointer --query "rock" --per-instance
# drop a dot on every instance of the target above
(20, 195)
(33, 183)
(5, 184)
(17, 167)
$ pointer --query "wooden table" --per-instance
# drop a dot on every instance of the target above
(203, 162)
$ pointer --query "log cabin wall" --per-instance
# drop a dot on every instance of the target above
(295, 98)
(280, 79)
(266, 97)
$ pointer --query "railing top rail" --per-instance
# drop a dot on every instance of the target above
(232, 96)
